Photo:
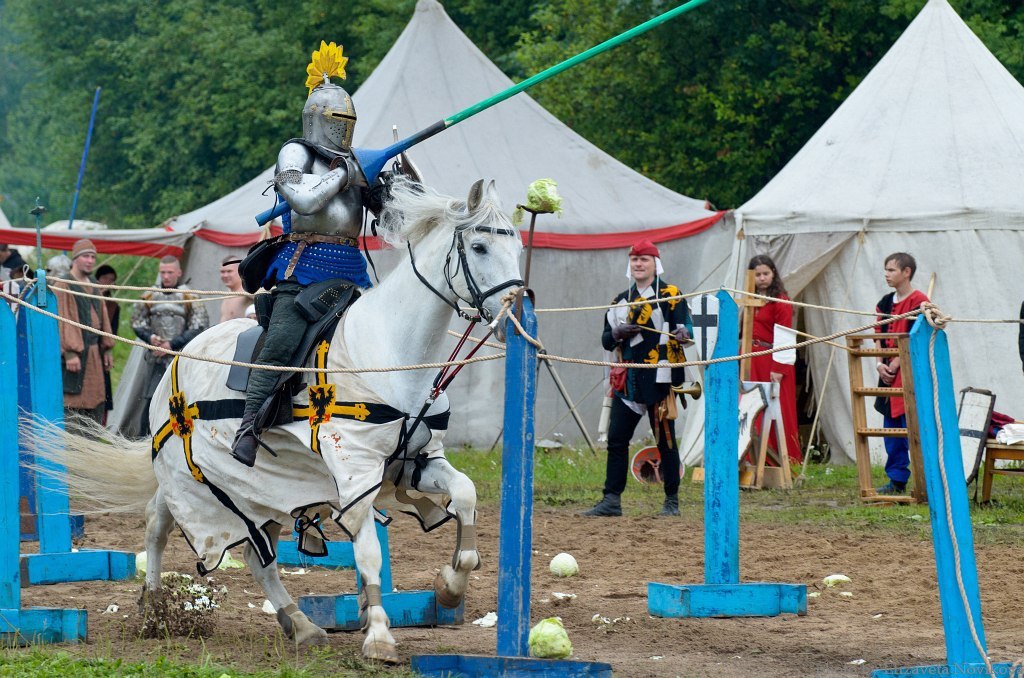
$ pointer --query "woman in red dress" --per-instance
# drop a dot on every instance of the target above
(764, 368)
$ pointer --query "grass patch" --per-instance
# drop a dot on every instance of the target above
(828, 496)
(43, 661)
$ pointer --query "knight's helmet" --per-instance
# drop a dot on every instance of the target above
(329, 117)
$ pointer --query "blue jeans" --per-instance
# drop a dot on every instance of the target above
(897, 466)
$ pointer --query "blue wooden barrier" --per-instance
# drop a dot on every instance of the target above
(340, 612)
(29, 531)
(18, 625)
(55, 562)
(962, 656)
(515, 540)
(722, 595)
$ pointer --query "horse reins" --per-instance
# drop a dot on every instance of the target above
(478, 297)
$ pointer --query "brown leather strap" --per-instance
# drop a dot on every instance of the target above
(310, 238)
(295, 259)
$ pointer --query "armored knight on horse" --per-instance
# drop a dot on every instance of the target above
(327, 192)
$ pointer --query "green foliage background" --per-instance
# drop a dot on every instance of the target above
(198, 96)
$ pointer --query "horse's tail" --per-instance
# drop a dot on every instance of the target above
(105, 470)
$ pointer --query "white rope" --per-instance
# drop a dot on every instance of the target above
(121, 300)
(136, 288)
(269, 368)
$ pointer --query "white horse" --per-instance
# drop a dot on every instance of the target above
(344, 466)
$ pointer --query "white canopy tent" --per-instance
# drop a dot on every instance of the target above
(431, 72)
(926, 156)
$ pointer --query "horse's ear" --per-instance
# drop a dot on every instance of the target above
(492, 190)
(476, 195)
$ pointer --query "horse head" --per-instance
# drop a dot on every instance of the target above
(473, 242)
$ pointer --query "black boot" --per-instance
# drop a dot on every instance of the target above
(244, 447)
(610, 505)
(671, 506)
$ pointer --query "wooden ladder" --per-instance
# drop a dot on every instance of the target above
(859, 393)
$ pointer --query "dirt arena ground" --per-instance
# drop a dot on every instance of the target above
(892, 619)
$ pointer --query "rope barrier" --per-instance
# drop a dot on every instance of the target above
(236, 363)
(121, 300)
(713, 361)
(222, 294)
(605, 307)
(136, 288)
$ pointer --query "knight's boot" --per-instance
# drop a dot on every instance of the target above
(244, 447)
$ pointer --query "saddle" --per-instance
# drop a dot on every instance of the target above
(323, 305)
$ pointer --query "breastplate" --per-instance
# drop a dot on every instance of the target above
(342, 215)
(168, 319)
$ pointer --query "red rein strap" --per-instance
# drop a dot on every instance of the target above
(443, 378)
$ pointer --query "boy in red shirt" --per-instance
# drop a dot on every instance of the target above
(899, 272)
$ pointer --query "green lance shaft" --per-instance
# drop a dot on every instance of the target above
(373, 161)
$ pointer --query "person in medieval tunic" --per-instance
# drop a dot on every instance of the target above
(171, 319)
(106, 275)
(645, 333)
(85, 356)
(765, 368)
(899, 272)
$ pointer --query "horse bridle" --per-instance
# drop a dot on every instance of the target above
(477, 297)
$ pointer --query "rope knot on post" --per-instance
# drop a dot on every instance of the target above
(934, 315)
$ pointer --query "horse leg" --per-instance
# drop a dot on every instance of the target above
(451, 582)
(159, 523)
(379, 643)
(293, 621)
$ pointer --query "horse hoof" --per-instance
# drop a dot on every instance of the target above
(380, 651)
(445, 598)
(314, 635)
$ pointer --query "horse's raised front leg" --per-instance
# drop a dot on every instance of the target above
(293, 621)
(440, 476)
(379, 644)
(159, 523)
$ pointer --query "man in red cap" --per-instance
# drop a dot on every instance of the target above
(646, 326)
(85, 355)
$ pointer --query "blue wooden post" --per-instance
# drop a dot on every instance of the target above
(56, 562)
(722, 594)
(47, 393)
(10, 522)
(721, 468)
(18, 625)
(515, 540)
(962, 657)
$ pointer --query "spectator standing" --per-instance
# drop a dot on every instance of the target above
(899, 272)
(233, 307)
(764, 368)
(106, 275)
(85, 355)
(12, 265)
(652, 332)
(172, 319)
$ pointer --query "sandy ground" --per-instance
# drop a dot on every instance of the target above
(892, 619)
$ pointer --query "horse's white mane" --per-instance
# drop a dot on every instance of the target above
(414, 210)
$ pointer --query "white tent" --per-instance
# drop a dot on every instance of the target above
(926, 156)
(433, 71)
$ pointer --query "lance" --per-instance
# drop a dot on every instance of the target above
(372, 161)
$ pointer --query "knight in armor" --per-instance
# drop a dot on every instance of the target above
(325, 188)
(175, 318)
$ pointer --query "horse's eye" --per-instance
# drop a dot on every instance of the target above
(479, 249)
